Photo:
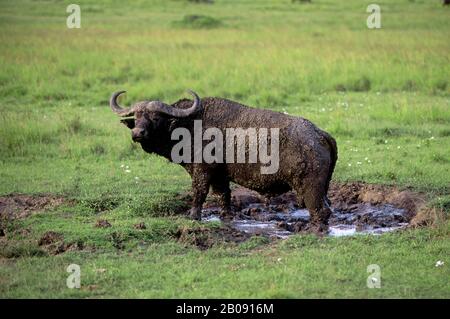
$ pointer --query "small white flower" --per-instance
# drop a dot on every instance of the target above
(358, 163)
(432, 138)
(279, 259)
(127, 167)
(398, 147)
(385, 141)
(349, 164)
(122, 166)
(439, 263)
(136, 177)
(366, 158)
(369, 161)
(127, 171)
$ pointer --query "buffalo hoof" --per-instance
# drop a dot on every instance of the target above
(226, 215)
(195, 214)
(318, 229)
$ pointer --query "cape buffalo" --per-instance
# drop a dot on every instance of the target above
(307, 154)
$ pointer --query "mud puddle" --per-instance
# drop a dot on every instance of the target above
(358, 208)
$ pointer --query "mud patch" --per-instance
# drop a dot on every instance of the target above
(205, 237)
(345, 196)
(358, 208)
(16, 206)
(140, 226)
(54, 244)
(102, 223)
(50, 237)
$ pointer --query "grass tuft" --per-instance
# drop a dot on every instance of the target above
(195, 21)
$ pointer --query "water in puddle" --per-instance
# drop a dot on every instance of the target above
(281, 221)
(255, 227)
(350, 230)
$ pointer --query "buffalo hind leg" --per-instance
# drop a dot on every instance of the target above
(314, 194)
(221, 187)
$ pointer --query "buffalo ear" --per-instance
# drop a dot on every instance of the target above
(128, 122)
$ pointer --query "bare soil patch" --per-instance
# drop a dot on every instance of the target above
(345, 196)
(205, 237)
(102, 223)
(140, 226)
(16, 206)
(54, 244)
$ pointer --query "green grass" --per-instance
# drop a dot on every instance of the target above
(383, 94)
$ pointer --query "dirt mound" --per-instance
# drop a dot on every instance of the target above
(102, 223)
(16, 206)
(428, 216)
(140, 226)
(206, 237)
(243, 197)
(50, 237)
(346, 195)
(54, 244)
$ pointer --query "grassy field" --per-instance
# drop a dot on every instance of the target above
(383, 94)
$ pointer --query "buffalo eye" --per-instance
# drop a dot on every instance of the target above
(128, 122)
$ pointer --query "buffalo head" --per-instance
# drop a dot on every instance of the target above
(146, 117)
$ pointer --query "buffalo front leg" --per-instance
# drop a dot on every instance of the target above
(222, 188)
(200, 188)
